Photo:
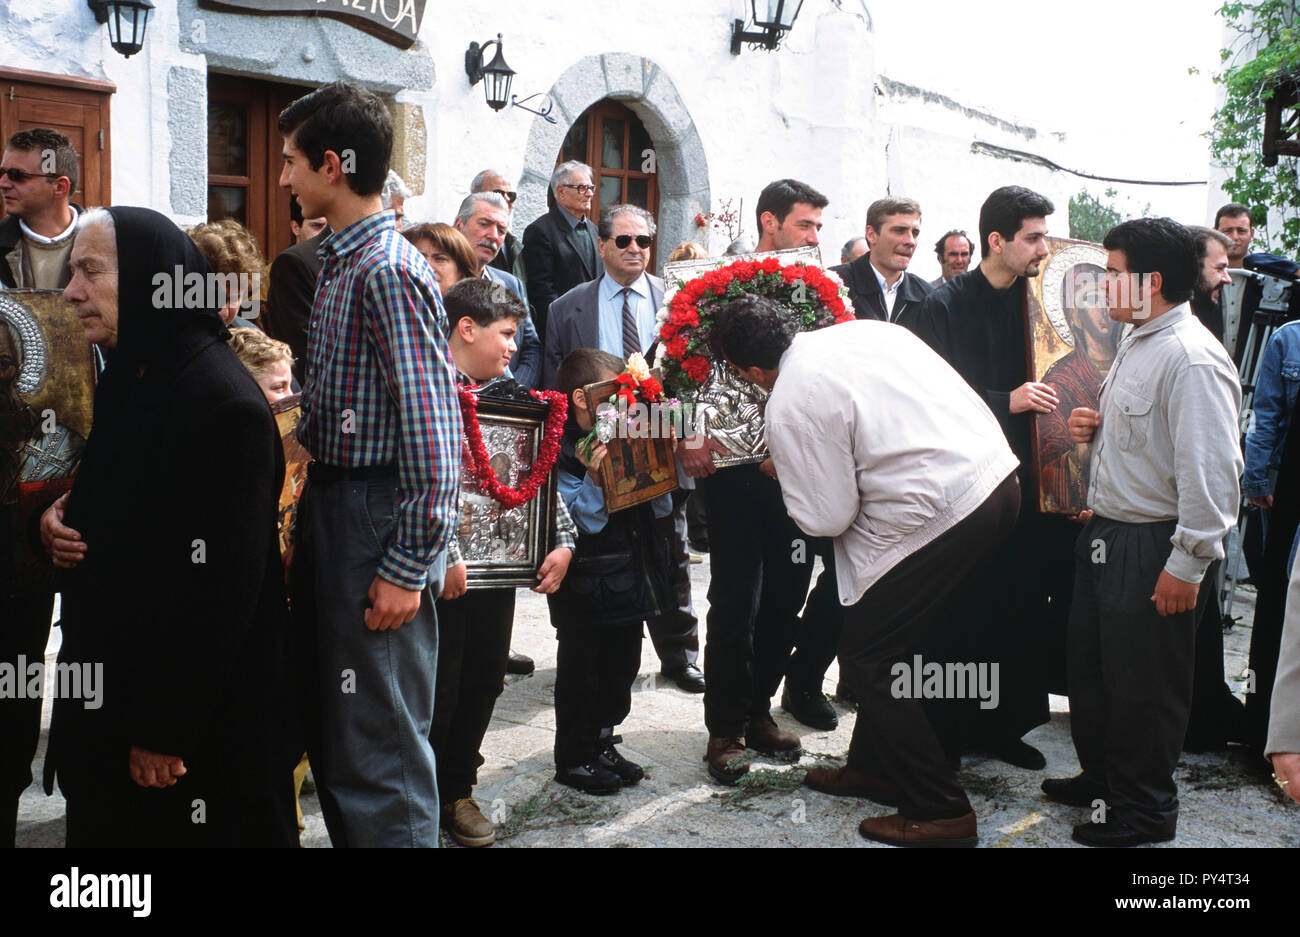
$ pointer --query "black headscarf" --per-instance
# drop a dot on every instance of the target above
(149, 243)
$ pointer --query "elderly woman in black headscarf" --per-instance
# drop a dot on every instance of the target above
(171, 577)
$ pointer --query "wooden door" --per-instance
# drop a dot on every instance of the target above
(244, 157)
(611, 139)
(78, 108)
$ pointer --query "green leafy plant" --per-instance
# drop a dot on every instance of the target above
(1091, 218)
(1264, 55)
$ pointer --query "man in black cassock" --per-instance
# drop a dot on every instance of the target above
(1018, 604)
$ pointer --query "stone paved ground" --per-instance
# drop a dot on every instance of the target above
(1223, 803)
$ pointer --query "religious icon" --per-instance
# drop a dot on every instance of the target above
(504, 545)
(726, 408)
(288, 414)
(47, 389)
(639, 465)
(1072, 344)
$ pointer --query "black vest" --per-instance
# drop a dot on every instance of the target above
(620, 575)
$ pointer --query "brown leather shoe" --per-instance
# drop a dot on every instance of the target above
(769, 738)
(726, 758)
(849, 782)
(897, 830)
(466, 823)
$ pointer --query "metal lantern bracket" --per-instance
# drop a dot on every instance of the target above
(764, 39)
(544, 113)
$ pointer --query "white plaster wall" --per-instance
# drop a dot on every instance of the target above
(62, 37)
(812, 110)
(803, 111)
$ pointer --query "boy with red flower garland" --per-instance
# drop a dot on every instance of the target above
(475, 627)
(621, 576)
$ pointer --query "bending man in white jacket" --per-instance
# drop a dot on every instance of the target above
(879, 444)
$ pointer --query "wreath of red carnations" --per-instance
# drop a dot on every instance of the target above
(811, 294)
(480, 468)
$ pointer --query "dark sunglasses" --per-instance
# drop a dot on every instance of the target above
(507, 195)
(18, 175)
(643, 241)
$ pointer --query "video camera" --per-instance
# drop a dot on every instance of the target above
(1276, 277)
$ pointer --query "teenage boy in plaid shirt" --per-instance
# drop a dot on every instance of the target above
(380, 416)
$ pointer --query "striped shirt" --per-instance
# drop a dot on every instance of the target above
(381, 387)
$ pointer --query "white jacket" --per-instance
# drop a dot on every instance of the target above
(879, 444)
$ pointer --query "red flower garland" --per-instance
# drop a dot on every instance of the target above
(683, 338)
(485, 477)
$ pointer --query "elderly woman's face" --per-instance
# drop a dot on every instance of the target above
(93, 287)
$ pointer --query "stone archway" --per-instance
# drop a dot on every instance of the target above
(645, 88)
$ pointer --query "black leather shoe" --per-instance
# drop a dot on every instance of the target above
(629, 772)
(519, 664)
(1021, 754)
(812, 708)
(1078, 791)
(594, 778)
(688, 678)
(1114, 832)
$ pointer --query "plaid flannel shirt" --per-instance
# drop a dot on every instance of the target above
(381, 386)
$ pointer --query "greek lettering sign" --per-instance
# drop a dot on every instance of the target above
(395, 21)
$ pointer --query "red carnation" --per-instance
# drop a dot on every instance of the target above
(792, 273)
(770, 265)
(697, 368)
(626, 380)
(627, 395)
(650, 388)
(686, 318)
(675, 347)
(667, 331)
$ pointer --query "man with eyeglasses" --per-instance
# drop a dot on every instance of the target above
(38, 174)
(560, 247)
(37, 177)
(616, 313)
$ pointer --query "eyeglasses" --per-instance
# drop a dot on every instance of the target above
(584, 189)
(643, 241)
(19, 175)
(507, 195)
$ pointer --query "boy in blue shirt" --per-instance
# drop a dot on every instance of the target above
(620, 576)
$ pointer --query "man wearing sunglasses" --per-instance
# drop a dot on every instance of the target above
(560, 247)
(38, 174)
(616, 313)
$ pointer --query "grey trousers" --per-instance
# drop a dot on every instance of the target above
(1130, 671)
(368, 737)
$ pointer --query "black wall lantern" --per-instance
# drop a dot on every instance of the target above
(774, 18)
(127, 21)
(496, 76)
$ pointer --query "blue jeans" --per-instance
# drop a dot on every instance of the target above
(368, 738)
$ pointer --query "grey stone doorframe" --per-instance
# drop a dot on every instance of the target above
(646, 89)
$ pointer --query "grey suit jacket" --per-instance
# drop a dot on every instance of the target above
(574, 322)
(526, 362)
(1284, 709)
